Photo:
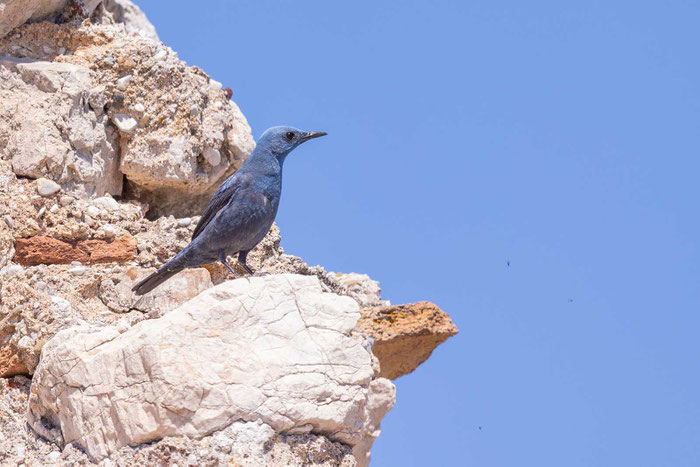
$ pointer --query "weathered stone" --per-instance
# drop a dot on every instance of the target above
(135, 21)
(10, 363)
(360, 287)
(47, 187)
(124, 122)
(14, 13)
(48, 250)
(115, 291)
(405, 335)
(273, 348)
(51, 131)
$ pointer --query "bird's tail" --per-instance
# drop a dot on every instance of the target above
(154, 280)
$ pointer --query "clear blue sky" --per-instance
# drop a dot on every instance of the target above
(560, 136)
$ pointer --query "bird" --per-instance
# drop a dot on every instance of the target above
(241, 211)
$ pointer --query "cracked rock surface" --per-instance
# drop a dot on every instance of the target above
(275, 349)
(109, 146)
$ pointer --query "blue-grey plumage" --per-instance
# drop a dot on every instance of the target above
(241, 211)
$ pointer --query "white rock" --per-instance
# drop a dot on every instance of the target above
(83, 148)
(123, 82)
(93, 211)
(54, 208)
(275, 349)
(124, 122)
(214, 85)
(60, 304)
(109, 230)
(134, 20)
(46, 187)
(160, 55)
(211, 155)
(106, 202)
(41, 211)
(53, 456)
(13, 269)
(139, 107)
(14, 13)
(184, 222)
(9, 221)
(78, 270)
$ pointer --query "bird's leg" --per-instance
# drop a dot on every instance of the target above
(241, 260)
(222, 258)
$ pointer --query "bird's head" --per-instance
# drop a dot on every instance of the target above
(281, 140)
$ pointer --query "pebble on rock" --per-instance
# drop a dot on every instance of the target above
(124, 122)
(106, 202)
(109, 230)
(46, 187)
(93, 211)
(123, 81)
(213, 156)
(8, 220)
(78, 270)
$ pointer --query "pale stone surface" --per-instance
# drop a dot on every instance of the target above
(273, 348)
(135, 21)
(360, 287)
(127, 109)
(245, 444)
(16, 12)
(115, 291)
(47, 187)
(51, 131)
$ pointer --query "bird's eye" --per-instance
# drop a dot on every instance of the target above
(289, 135)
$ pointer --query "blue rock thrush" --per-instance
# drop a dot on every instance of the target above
(241, 211)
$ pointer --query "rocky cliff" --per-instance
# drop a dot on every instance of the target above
(109, 147)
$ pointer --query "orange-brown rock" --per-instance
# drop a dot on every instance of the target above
(48, 250)
(10, 364)
(405, 335)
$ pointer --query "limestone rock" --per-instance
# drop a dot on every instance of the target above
(151, 131)
(245, 444)
(47, 187)
(115, 291)
(14, 13)
(135, 21)
(360, 287)
(405, 335)
(51, 131)
(275, 349)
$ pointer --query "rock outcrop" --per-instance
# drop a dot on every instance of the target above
(92, 108)
(183, 374)
(405, 335)
(109, 147)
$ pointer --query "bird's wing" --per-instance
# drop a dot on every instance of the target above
(220, 199)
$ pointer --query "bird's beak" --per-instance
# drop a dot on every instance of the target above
(313, 134)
